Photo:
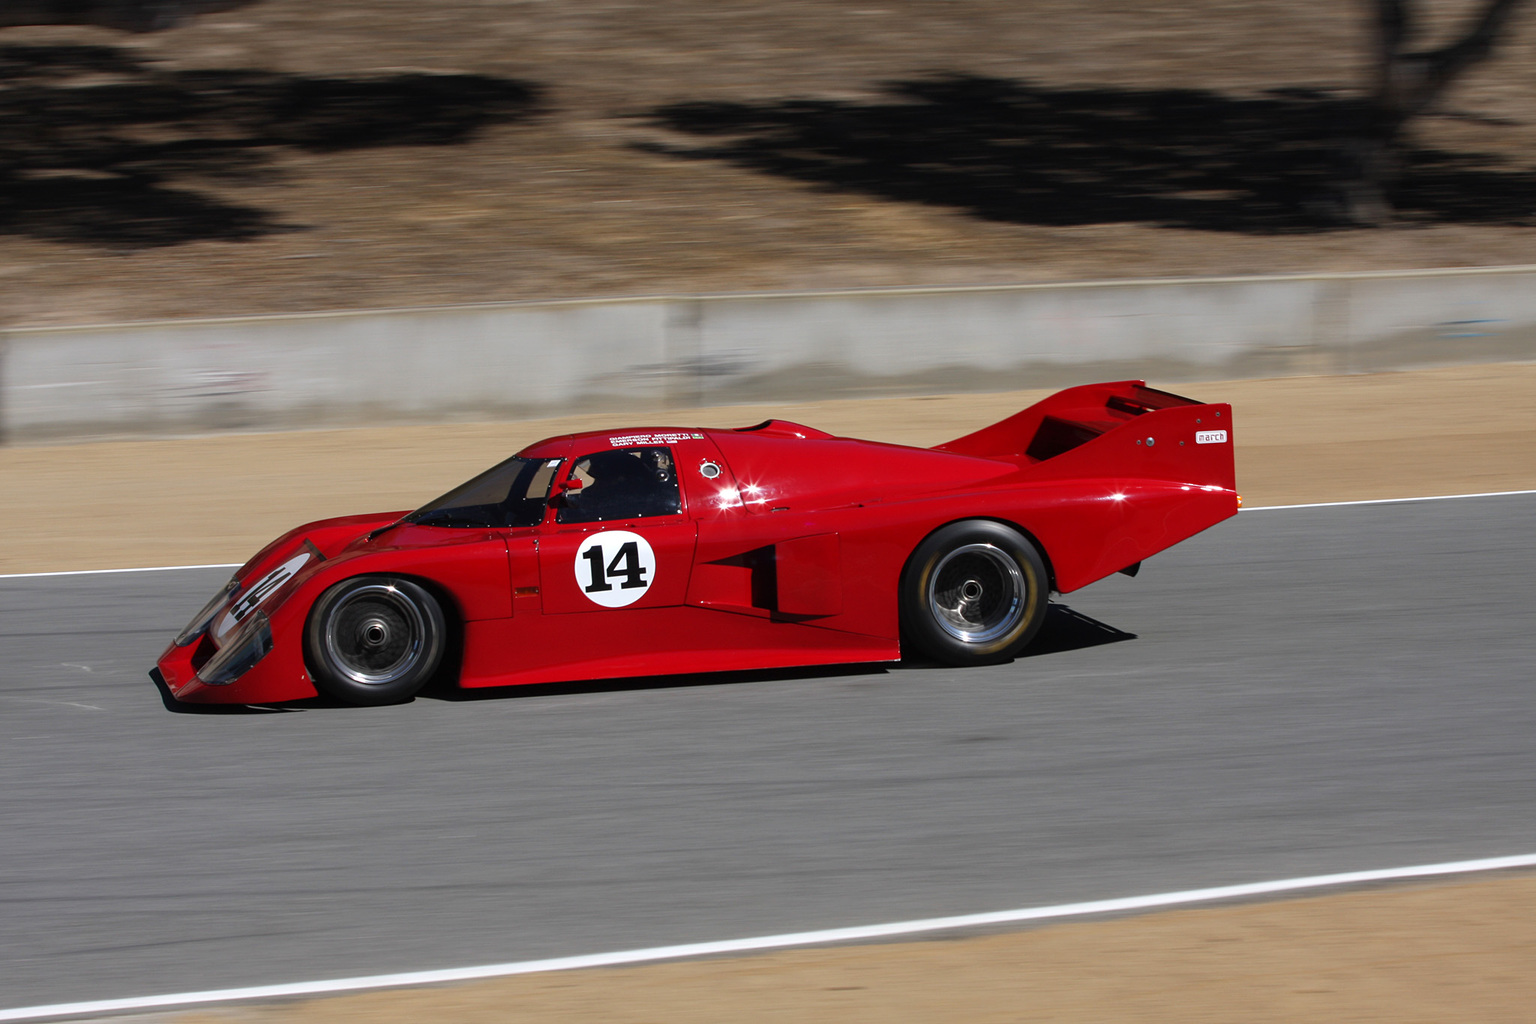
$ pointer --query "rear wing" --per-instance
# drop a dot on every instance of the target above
(1121, 428)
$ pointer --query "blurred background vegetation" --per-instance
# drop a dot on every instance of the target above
(208, 157)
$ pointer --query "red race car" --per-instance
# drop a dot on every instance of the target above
(661, 550)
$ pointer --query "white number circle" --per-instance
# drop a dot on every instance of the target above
(256, 594)
(615, 568)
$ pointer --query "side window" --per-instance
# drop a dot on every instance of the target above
(512, 493)
(627, 483)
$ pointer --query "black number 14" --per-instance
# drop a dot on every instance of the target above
(625, 563)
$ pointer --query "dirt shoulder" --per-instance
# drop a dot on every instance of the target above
(218, 499)
(1458, 952)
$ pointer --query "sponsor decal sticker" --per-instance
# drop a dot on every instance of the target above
(259, 592)
(1210, 437)
(615, 568)
(630, 440)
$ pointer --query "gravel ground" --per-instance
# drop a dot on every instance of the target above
(1421, 954)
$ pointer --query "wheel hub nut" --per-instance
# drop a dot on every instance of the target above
(375, 632)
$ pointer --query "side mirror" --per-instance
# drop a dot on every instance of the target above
(564, 489)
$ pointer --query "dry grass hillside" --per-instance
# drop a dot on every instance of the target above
(296, 156)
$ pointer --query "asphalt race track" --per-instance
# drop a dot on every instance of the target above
(1296, 692)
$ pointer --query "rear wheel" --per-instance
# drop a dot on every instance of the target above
(974, 592)
(374, 639)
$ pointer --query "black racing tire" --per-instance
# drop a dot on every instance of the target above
(374, 639)
(974, 593)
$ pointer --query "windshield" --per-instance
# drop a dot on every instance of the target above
(514, 493)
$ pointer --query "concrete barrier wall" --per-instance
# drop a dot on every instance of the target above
(657, 355)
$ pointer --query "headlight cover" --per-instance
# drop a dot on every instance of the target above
(203, 619)
(249, 644)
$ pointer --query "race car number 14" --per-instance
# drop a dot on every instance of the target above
(615, 568)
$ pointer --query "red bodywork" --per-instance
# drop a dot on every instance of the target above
(789, 552)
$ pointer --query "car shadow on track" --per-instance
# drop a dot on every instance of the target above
(452, 693)
(1068, 630)
(1063, 631)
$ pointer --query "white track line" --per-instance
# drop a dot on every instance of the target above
(1253, 508)
(104, 572)
(700, 949)
(1387, 501)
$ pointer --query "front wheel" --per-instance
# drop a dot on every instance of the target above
(974, 593)
(374, 639)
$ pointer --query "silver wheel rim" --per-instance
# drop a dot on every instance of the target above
(977, 593)
(374, 635)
